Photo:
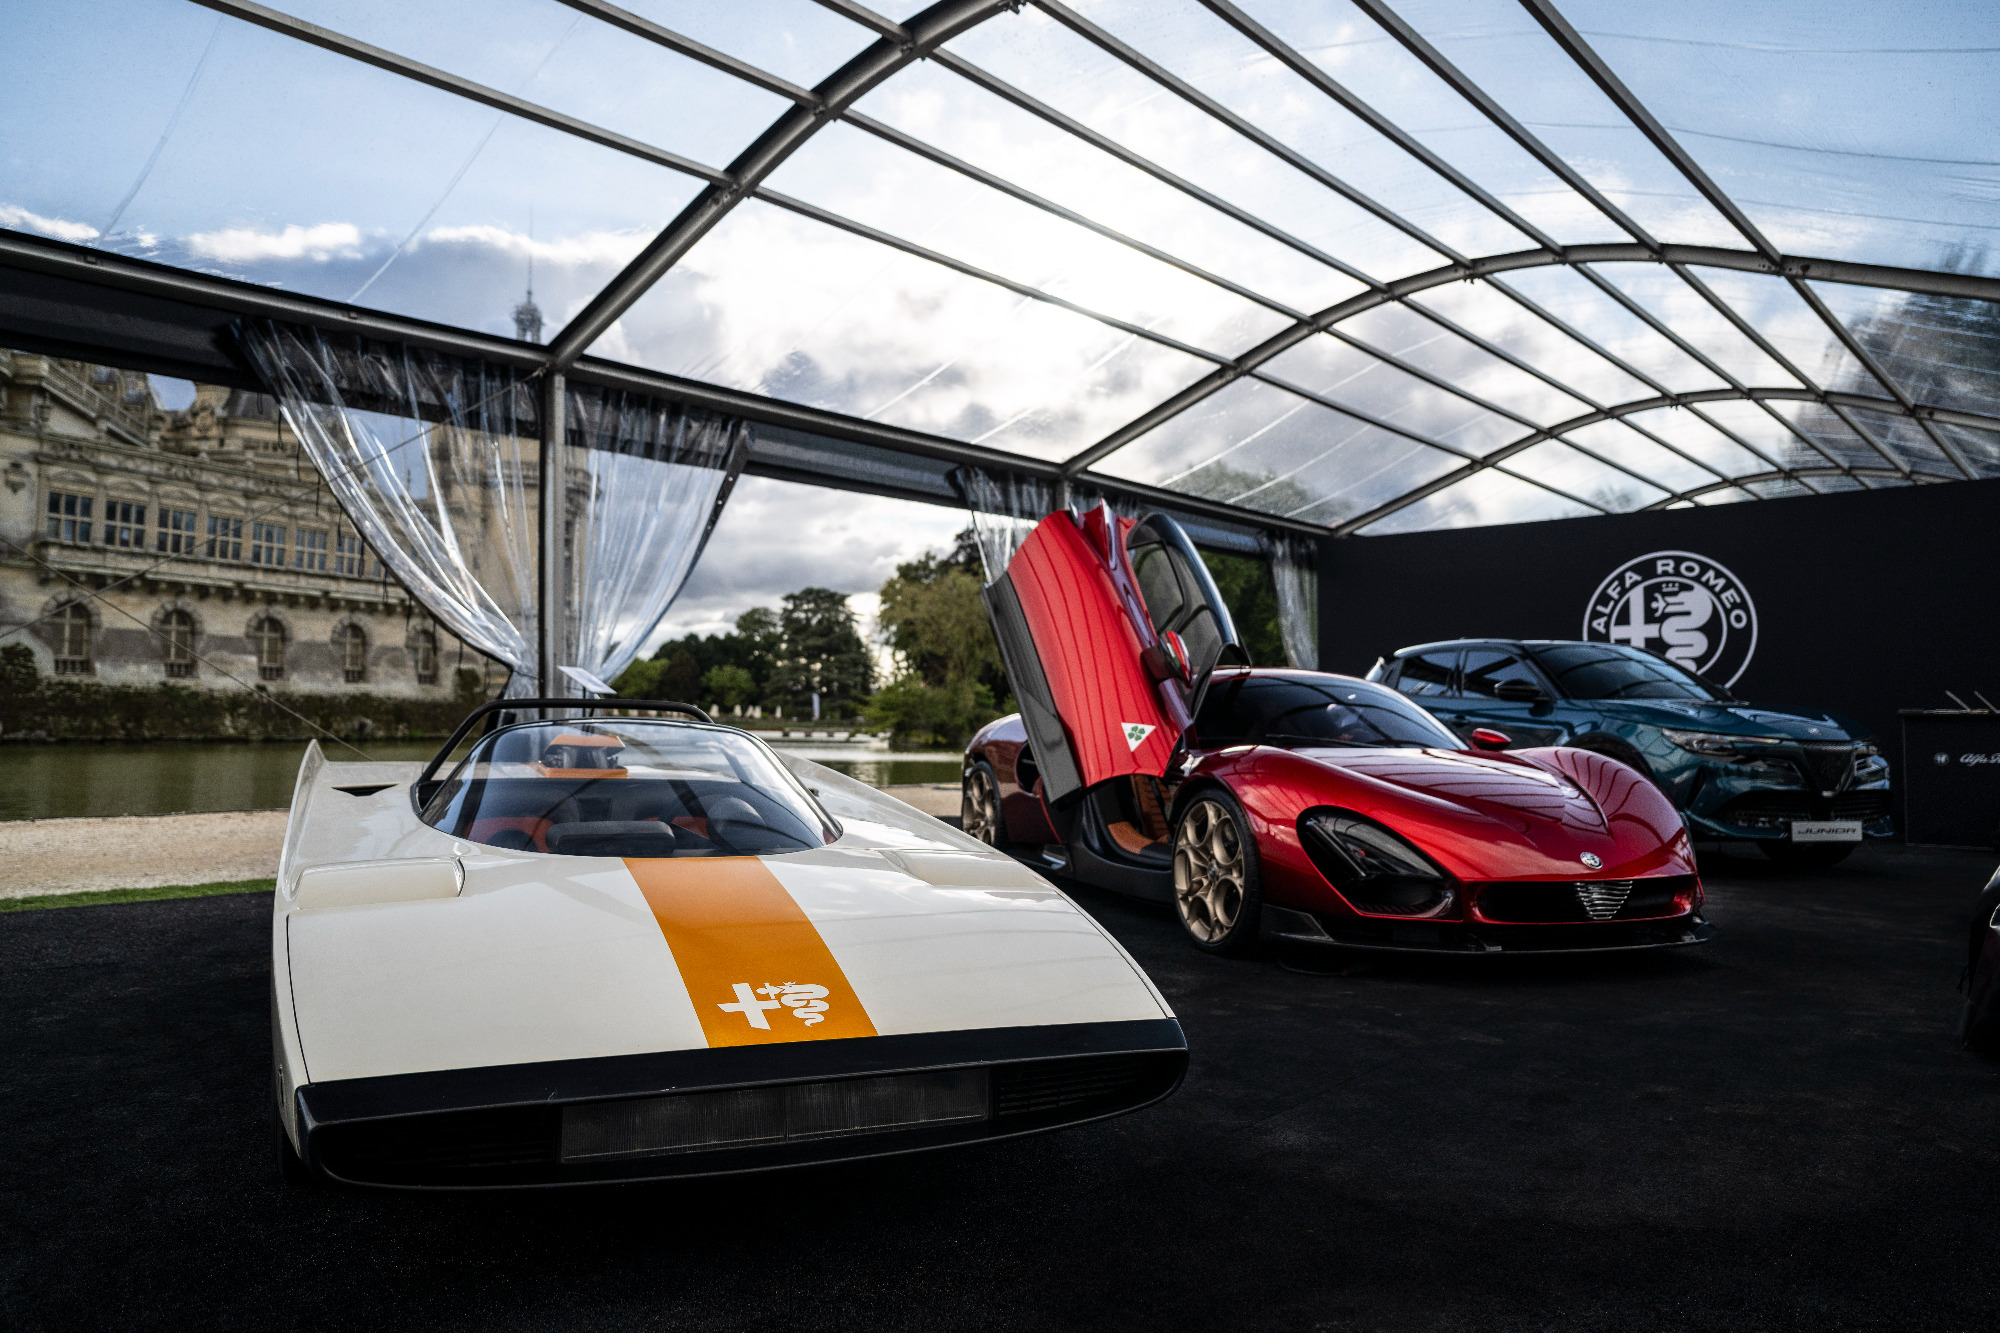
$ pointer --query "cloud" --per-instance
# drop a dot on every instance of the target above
(22, 219)
(590, 247)
(243, 245)
(777, 537)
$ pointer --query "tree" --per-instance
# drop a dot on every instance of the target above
(917, 714)
(1252, 598)
(729, 686)
(760, 636)
(935, 622)
(681, 666)
(949, 668)
(820, 652)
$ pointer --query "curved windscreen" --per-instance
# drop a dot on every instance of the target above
(626, 787)
(1303, 710)
(1612, 671)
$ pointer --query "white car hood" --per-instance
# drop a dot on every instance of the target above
(903, 926)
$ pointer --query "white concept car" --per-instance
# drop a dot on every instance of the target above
(613, 948)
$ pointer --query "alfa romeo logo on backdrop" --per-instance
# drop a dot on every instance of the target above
(1683, 606)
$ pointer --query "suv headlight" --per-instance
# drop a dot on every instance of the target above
(1870, 768)
(1373, 868)
(1716, 744)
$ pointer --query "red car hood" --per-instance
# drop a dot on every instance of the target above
(1527, 814)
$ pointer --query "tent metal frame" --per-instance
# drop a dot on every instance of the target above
(900, 45)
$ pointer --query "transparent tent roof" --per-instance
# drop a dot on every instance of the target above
(1342, 264)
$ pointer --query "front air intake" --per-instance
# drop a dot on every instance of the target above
(1601, 898)
(703, 1131)
(1549, 901)
(1059, 1085)
(692, 1122)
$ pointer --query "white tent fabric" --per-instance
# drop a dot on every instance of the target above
(644, 489)
(435, 462)
(1296, 577)
(438, 463)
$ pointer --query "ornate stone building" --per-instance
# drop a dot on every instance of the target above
(139, 545)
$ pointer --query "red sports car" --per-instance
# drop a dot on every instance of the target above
(1296, 804)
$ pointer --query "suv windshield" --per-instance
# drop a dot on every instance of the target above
(1313, 710)
(623, 787)
(1612, 671)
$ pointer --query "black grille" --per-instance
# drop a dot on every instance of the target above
(1829, 766)
(1042, 1086)
(1775, 810)
(1866, 806)
(1550, 901)
(521, 1145)
(1766, 809)
(433, 1146)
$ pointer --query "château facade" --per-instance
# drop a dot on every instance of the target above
(140, 545)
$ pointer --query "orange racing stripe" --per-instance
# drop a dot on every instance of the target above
(754, 964)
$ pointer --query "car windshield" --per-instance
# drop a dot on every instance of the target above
(1313, 710)
(619, 787)
(1612, 671)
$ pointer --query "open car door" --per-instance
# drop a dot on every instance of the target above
(1106, 655)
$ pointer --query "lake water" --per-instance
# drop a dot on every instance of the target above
(177, 777)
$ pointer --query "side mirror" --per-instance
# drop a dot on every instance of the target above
(1485, 738)
(1167, 660)
(1519, 692)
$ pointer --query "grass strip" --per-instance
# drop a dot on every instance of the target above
(103, 897)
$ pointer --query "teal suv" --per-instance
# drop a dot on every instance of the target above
(1805, 786)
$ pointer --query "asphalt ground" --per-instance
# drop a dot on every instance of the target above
(1777, 1130)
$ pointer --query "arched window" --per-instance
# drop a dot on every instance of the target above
(351, 642)
(72, 627)
(177, 643)
(267, 639)
(424, 647)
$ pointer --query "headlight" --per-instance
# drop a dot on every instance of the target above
(1717, 744)
(1373, 868)
(1870, 768)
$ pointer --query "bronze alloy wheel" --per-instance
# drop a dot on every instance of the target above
(1214, 886)
(979, 805)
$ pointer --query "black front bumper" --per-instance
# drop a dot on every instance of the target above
(503, 1126)
(1482, 939)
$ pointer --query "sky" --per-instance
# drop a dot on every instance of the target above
(776, 537)
(1861, 131)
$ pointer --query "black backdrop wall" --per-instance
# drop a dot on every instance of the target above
(1862, 603)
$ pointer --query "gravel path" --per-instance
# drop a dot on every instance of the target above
(137, 851)
(933, 798)
(144, 851)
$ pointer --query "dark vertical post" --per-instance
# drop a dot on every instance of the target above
(551, 578)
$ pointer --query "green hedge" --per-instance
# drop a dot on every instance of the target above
(34, 707)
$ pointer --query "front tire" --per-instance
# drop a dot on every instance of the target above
(1217, 891)
(979, 809)
(1813, 856)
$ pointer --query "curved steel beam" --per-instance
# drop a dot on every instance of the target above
(362, 53)
(1033, 293)
(1656, 403)
(1883, 474)
(861, 75)
(1600, 73)
(1216, 111)
(1830, 270)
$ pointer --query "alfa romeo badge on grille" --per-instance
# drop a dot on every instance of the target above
(1591, 861)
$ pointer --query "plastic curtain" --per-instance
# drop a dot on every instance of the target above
(1294, 571)
(646, 481)
(1004, 511)
(435, 460)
